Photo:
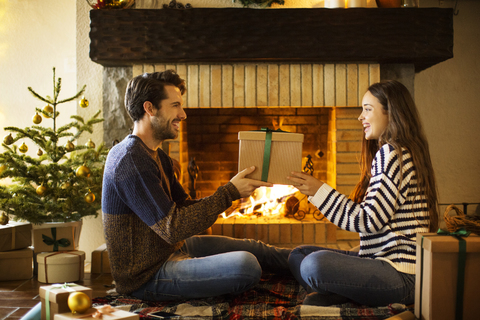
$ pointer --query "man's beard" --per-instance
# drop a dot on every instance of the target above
(162, 130)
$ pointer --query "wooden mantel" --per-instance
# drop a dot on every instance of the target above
(419, 36)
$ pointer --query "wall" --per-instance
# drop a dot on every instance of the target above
(448, 98)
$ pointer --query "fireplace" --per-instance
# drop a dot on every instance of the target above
(265, 68)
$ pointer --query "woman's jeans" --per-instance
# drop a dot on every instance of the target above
(336, 272)
(208, 266)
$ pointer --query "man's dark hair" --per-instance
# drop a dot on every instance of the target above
(150, 87)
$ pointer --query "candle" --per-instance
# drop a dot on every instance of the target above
(356, 3)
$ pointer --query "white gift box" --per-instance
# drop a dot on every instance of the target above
(61, 266)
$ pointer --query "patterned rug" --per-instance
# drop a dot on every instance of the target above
(274, 298)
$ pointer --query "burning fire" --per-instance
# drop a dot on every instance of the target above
(265, 201)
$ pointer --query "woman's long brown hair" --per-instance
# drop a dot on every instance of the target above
(404, 130)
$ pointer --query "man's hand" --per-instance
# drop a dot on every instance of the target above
(246, 186)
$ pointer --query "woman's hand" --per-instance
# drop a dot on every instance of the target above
(305, 183)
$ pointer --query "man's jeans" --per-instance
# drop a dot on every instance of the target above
(208, 266)
(336, 272)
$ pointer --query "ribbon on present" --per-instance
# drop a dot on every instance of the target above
(462, 255)
(64, 242)
(65, 286)
(267, 151)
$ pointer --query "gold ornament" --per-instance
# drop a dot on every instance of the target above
(8, 139)
(79, 302)
(3, 219)
(3, 167)
(37, 118)
(89, 196)
(83, 172)
(41, 189)
(49, 109)
(69, 146)
(83, 103)
(65, 185)
(40, 152)
(23, 148)
(90, 144)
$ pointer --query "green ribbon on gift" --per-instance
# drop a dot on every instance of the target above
(462, 256)
(267, 151)
(65, 286)
(64, 242)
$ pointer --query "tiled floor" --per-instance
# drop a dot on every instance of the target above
(18, 297)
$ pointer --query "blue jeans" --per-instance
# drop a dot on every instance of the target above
(208, 266)
(369, 282)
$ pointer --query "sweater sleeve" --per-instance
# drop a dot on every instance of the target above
(382, 198)
(143, 186)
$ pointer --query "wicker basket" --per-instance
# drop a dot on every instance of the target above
(461, 220)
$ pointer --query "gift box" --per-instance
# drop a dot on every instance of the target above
(100, 261)
(56, 236)
(437, 271)
(16, 264)
(65, 266)
(275, 154)
(114, 315)
(54, 298)
(15, 235)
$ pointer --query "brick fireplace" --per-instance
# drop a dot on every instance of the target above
(300, 70)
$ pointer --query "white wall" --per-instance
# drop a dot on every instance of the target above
(35, 36)
(448, 97)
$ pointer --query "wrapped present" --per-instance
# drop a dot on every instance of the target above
(447, 276)
(54, 298)
(64, 266)
(16, 264)
(105, 312)
(275, 154)
(61, 236)
(15, 235)
(100, 261)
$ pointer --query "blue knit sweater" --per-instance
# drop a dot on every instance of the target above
(147, 214)
(389, 217)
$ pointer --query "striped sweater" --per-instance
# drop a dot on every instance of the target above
(147, 214)
(389, 216)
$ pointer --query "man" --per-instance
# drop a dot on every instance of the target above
(151, 224)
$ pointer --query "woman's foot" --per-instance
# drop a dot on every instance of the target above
(324, 300)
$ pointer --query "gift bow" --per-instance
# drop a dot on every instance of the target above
(64, 242)
(266, 152)
(65, 286)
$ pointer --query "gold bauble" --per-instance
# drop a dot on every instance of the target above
(79, 302)
(65, 185)
(83, 103)
(49, 109)
(8, 139)
(69, 146)
(83, 172)
(40, 152)
(41, 190)
(23, 148)
(4, 219)
(37, 118)
(90, 144)
(3, 167)
(89, 197)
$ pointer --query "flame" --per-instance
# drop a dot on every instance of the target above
(265, 201)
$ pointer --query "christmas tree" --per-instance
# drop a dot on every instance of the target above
(63, 183)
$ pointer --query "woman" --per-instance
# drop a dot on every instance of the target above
(395, 199)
